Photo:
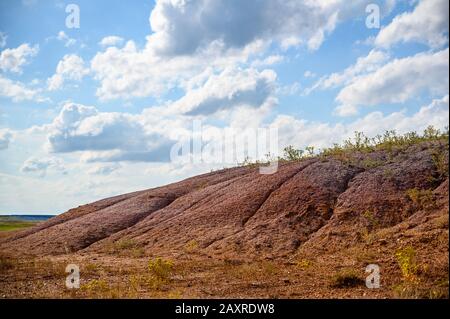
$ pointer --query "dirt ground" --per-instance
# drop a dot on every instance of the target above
(307, 231)
(193, 275)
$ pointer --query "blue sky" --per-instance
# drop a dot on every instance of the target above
(93, 111)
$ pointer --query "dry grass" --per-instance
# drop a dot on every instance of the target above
(124, 277)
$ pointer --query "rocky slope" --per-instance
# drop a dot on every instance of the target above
(313, 205)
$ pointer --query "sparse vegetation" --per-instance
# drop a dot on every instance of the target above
(125, 244)
(366, 235)
(160, 271)
(90, 269)
(388, 141)
(406, 259)
(191, 246)
(371, 220)
(269, 268)
(160, 268)
(292, 154)
(126, 247)
(249, 163)
(369, 163)
(364, 229)
(360, 143)
(202, 185)
(440, 161)
(137, 282)
(95, 287)
(304, 264)
(421, 198)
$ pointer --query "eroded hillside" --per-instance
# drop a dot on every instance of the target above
(341, 209)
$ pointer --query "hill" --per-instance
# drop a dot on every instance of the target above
(345, 208)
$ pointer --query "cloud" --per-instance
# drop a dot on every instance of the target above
(3, 38)
(231, 88)
(106, 137)
(129, 72)
(13, 59)
(396, 82)
(184, 27)
(71, 67)
(5, 138)
(270, 60)
(41, 165)
(103, 137)
(104, 169)
(363, 65)
(436, 113)
(111, 40)
(191, 36)
(17, 91)
(301, 133)
(428, 24)
(66, 122)
(149, 136)
(309, 74)
(62, 36)
(289, 89)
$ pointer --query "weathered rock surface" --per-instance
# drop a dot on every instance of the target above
(318, 203)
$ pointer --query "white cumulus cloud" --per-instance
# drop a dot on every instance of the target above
(18, 91)
(14, 59)
(184, 27)
(302, 133)
(71, 67)
(41, 165)
(106, 136)
(229, 89)
(428, 24)
(111, 40)
(363, 65)
(191, 36)
(396, 82)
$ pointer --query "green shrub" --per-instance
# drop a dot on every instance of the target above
(406, 259)
(160, 268)
(95, 288)
(309, 151)
(292, 154)
(191, 246)
(304, 264)
(389, 141)
(422, 198)
(440, 162)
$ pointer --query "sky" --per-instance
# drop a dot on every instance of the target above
(95, 94)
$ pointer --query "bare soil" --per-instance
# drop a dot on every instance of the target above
(303, 232)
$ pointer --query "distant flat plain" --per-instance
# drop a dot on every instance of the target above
(16, 222)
